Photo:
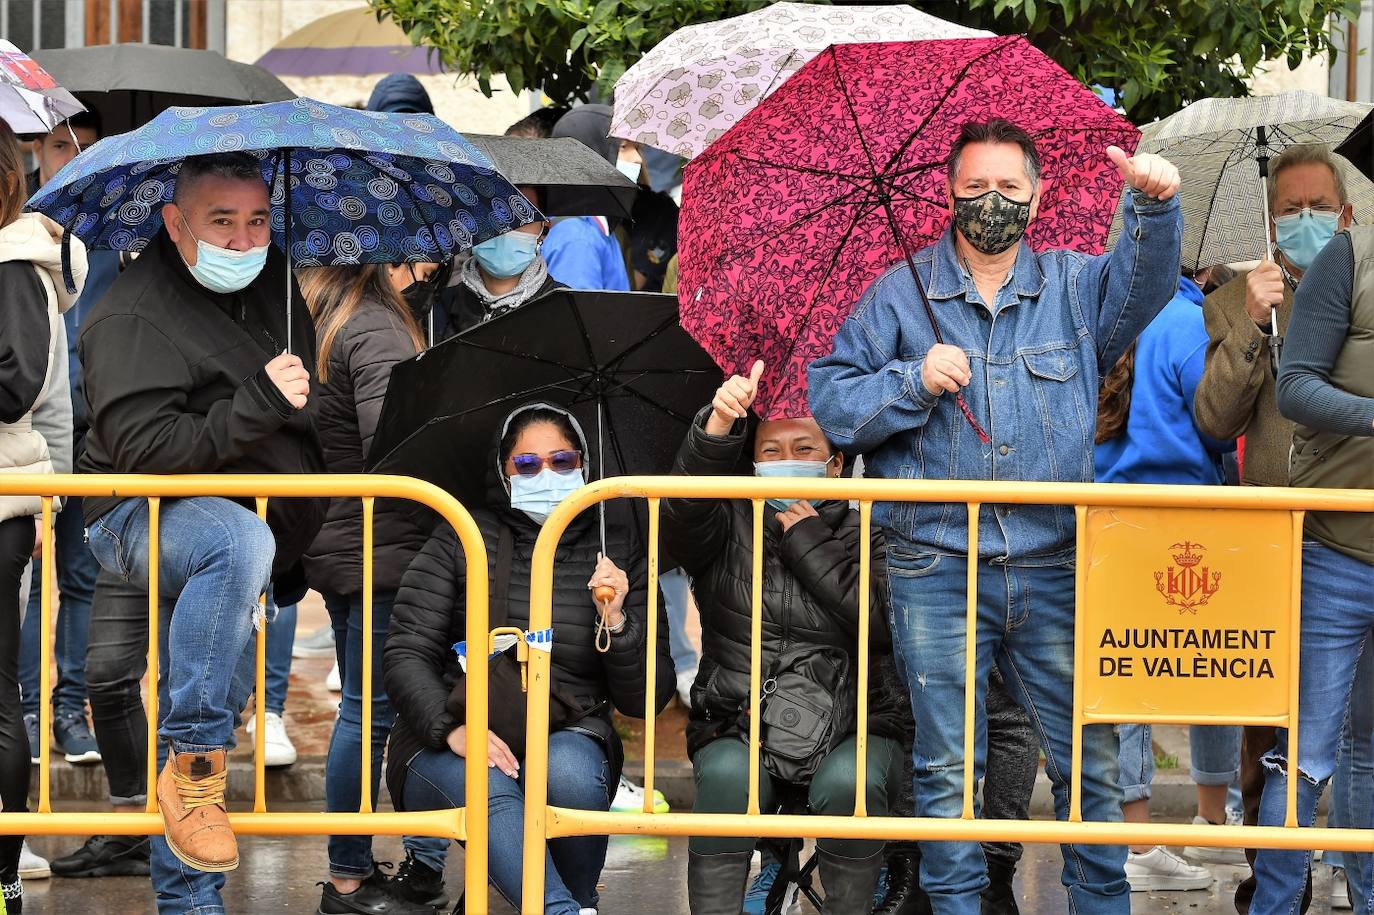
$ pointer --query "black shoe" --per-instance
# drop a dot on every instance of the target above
(904, 894)
(371, 898)
(74, 738)
(416, 881)
(106, 856)
(999, 898)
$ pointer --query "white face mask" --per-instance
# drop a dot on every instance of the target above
(539, 495)
(224, 270)
(630, 170)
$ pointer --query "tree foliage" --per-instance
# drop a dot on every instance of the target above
(1158, 55)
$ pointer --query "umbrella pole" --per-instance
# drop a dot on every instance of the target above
(1262, 158)
(286, 239)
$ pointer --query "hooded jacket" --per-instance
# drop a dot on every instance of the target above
(176, 380)
(419, 664)
(402, 93)
(348, 405)
(813, 568)
(31, 348)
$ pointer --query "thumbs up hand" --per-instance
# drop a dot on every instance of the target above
(733, 399)
(1148, 173)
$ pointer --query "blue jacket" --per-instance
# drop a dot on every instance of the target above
(581, 256)
(1161, 443)
(1060, 319)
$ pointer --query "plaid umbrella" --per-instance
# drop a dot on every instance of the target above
(31, 101)
(354, 42)
(841, 173)
(1220, 146)
(699, 81)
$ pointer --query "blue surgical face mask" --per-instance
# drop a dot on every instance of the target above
(507, 255)
(223, 270)
(539, 495)
(1301, 236)
(630, 170)
(812, 469)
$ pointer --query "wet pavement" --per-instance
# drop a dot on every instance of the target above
(642, 875)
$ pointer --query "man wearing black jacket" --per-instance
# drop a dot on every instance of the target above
(186, 371)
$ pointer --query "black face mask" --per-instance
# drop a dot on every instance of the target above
(991, 222)
(420, 294)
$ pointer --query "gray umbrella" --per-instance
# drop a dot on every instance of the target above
(574, 180)
(130, 84)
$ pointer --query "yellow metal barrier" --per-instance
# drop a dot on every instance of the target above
(451, 824)
(1106, 513)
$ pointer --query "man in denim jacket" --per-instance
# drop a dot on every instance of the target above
(1028, 366)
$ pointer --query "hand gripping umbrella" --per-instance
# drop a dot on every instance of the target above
(365, 186)
(840, 173)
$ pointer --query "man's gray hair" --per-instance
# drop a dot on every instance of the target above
(236, 166)
(1308, 154)
(996, 130)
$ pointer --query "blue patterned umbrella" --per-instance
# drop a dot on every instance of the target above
(366, 186)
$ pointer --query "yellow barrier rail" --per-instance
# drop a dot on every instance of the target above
(1105, 513)
(451, 824)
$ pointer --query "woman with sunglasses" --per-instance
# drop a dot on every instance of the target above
(366, 320)
(599, 655)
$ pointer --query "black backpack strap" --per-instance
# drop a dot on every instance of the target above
(500, 592)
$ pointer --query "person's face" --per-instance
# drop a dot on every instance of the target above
(997, 167)
(795, 440)
(629, 154)
(541, 439)
(402, 275)
(532, 194)
(58, 148)
(1307, 184)
(225, 212)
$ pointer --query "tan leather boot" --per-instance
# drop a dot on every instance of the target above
(190, 794)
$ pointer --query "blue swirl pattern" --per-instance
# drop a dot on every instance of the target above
(366, 187)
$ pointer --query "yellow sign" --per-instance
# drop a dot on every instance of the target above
(1186, 614)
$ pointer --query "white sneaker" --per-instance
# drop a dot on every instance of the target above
(33, 867)
(685, 679)
(629, 798)
(333, 682)
(277, 748)
(317, 644)
(1199, 854)
(1161, 869)
(1340, 890)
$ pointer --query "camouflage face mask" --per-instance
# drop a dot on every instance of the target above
(991, 222)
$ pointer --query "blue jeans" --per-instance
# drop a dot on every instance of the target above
(1215, 758)
(216, 559)
(1337, 618)
(677, 600)
(281, 638)
(76, 570)
(1136, 759)
(350, 857)
(579, 778)
(1352, 786)
(1025, 624)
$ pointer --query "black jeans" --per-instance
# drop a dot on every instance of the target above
(16, 545)
(116, 660)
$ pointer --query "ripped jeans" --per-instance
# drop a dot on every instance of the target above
(1337, 621)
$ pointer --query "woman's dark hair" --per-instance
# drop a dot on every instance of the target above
(533, 417)
(13, 182)
(1114, 397)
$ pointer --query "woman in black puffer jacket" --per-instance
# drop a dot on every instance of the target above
(425, 764)
(810, 601)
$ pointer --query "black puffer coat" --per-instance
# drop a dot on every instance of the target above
(817, 560)
(419, 664)
(348, 405)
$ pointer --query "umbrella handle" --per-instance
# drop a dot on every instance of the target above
(603, 595)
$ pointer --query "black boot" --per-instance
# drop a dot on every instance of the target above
(849, 882)
(715, 883)
(999, 898)
(904, 893)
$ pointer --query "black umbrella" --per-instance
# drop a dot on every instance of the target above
(575, 181)
(130, 84)
(617, 360)
(1359, 146)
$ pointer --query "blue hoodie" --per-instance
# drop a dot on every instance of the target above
(1160, 443)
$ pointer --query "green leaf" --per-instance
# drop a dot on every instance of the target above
(578, 37)
(1028, 10)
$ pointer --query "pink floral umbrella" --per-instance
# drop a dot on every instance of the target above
(698, 82)
(839, 174)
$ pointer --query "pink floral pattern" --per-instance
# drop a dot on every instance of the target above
(784, 225)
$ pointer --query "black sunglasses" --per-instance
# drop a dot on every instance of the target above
(529, 465)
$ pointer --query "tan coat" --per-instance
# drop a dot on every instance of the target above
(1236, 394)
